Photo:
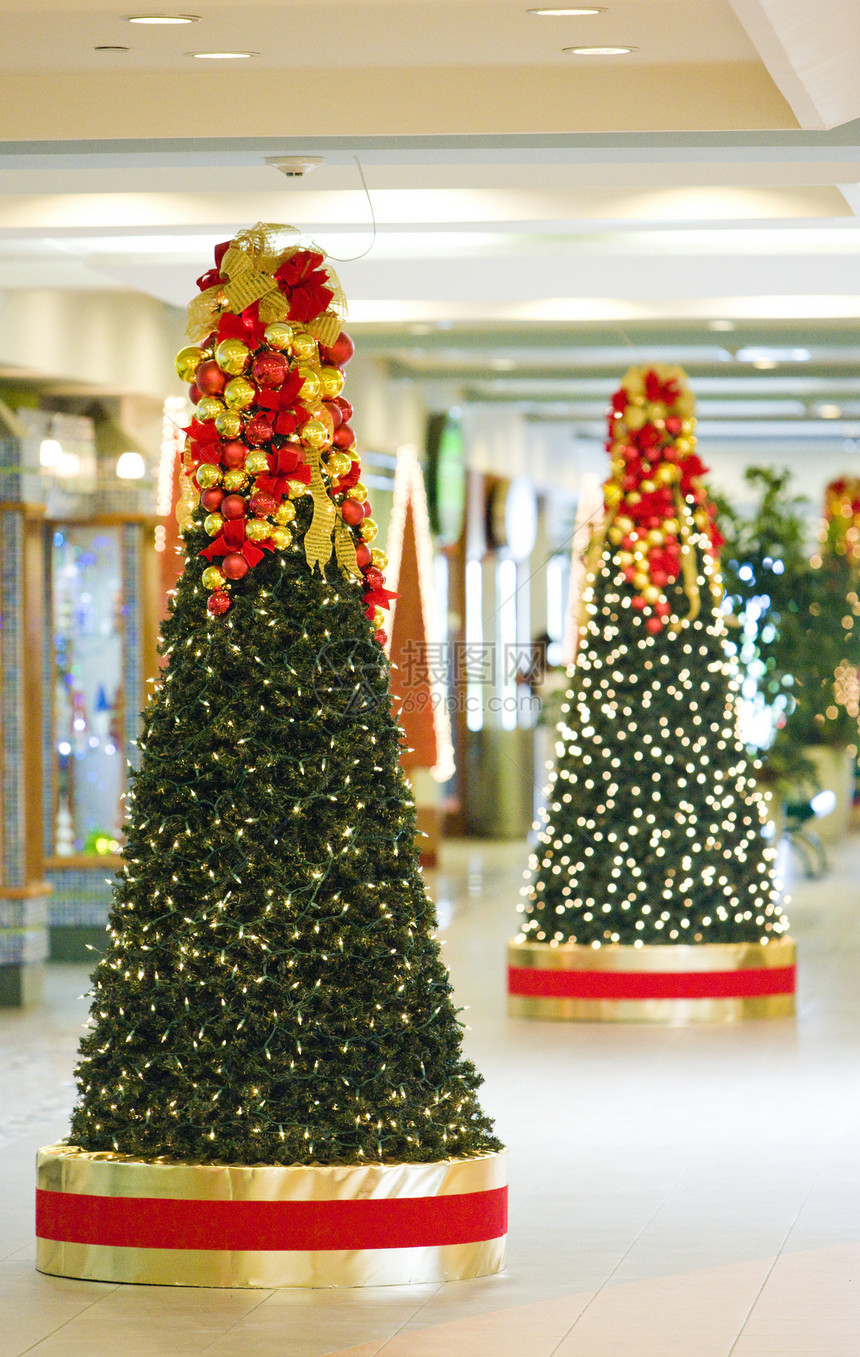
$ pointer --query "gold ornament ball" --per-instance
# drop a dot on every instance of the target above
(229, 423)
(208, 476)
(285, 513)
(625, 558)
(641, 581)
(311, 385)
(213, 523)
(651, 594)
(257, 529)
(378, 617)
(683, 446)
(315, 434)
(635, 418)
(295, 489)
(278, 335)
(624, 524)
(368, 530)
(656, 537)
(232, 356)
(304, 346)
(357, 491)
(616, 536)
(666, 475)
(209, 408)
(236, 479)
(257, 464)
(379, 558)
(613, 494)
(239, 393)
(338, 464)
(187, 361)
(212, 578)
(281, 538)
(647, 487)
(332, 382)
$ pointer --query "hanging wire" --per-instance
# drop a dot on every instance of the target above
(353, 257)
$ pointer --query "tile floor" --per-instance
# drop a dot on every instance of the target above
(674, 1193)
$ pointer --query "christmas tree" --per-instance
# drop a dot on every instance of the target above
(653, 833)
(271, 992)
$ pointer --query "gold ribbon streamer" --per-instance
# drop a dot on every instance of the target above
(688, 562)
(344, 545)
(318, 538)
(591, 561)
(187, 501)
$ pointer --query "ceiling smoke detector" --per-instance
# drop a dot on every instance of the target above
(294, 166)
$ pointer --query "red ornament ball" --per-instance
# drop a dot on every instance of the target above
(258, 430)
(374, 577)
(262, 504)
(343, 436)
(219, 602)
(340, 352)
(210, 379)
(235, 566)
(368, 508)
(363, 555)
(212, 499)
(335, 411)
(233, 454)
(195, 395)
(639, 602)
(654, 625)
(269, 368)
(344, 407)
(352, 512)
(234, 506)
(380, 636)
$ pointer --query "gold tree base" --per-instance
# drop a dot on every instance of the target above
(104, 1217)
(708, 982)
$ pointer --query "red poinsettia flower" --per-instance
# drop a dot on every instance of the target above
(620, 401)
(304, 284)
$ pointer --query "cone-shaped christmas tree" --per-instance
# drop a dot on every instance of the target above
(271, 993)
(651, 893)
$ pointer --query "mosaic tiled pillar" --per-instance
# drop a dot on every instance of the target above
(23, 890)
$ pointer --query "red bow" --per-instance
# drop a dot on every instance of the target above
(285, 464)
(378, 598)
(205, 442)
(303, 283)
(233, 538)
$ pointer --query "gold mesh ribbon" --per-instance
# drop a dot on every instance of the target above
(689, 569)
(318, 538)
(251, 261)
(187, 500)
(344, 546)
(592, 559)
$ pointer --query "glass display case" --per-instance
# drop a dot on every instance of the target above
(87, 744)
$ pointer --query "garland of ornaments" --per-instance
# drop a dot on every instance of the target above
(271, 424)
(656, 504)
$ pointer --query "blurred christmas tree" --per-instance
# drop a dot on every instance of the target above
(271, 991)
(653, 831)
(799, 637)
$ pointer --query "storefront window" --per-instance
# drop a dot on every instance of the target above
(87, 699)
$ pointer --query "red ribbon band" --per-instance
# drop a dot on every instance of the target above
(249, 1226)
(757, 981)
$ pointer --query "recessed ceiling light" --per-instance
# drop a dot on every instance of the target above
(599, 51)
(221, 56)
(829, 411)
(162, 19)
(111, 49)
(569, 11)
(764, 364)
(721, 325)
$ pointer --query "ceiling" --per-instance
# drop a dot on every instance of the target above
(541, 219)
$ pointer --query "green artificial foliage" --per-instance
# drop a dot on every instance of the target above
(799, 621)
(653, 831)
(272, 991)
